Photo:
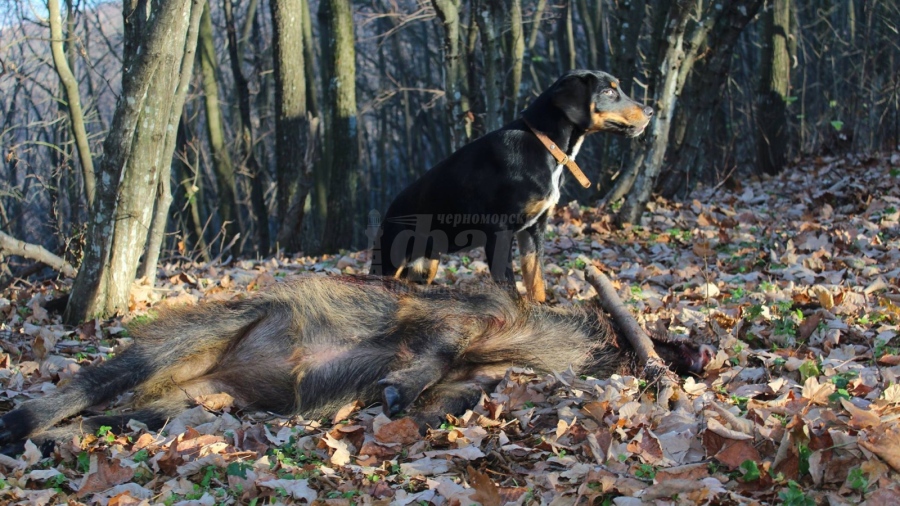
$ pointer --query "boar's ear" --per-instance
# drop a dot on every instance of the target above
(572, 95)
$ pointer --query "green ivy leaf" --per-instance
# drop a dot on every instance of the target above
(809, 369)
(750, 469)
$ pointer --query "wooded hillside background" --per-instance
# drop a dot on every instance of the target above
(180, 128)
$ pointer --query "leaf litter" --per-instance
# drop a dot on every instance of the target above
(795, 279)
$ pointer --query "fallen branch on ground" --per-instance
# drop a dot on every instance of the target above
(655, 368)
(12, 246)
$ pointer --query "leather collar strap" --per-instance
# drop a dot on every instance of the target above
(560, 156)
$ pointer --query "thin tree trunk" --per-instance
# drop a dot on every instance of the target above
(134, 151)
(702, 95)
(164, 187)
(222, 165)
(516, 56)
(536, 23)
(565, 36)
(623, 40)
(291, 123)
(73, 100)
(247, 142)
(247, 28)
(190, 186)
(489, 16)
(774, 82)
(477, 104)
(648, 163)
(590, 33)
(448, 13)
(309, 61)
(339, 55)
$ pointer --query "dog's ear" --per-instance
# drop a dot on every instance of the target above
(572, 95)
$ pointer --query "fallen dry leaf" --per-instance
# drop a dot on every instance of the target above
(486, 492)
(104, 473)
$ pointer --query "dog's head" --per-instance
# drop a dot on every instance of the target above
(595, 102)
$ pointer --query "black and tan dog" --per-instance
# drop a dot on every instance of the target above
(504, 184)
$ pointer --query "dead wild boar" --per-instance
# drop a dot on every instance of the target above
(311, 345)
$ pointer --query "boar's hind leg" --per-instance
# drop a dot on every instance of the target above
(91, 386)
(154, 416)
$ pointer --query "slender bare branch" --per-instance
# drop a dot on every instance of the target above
(70, 84)
(12, 246)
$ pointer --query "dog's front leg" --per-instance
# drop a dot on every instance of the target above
(531, 248)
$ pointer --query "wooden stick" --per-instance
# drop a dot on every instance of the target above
(655, 369)
(12, 246)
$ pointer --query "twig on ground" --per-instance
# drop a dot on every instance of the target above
(655, 368)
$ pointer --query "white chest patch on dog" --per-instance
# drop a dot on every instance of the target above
(555, 181)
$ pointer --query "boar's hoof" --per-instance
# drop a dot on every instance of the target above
(391, 400)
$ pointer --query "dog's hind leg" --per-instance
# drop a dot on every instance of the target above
(385, 261)
(422, 270)
(498, 251)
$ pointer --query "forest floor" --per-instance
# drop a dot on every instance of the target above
(795, 279)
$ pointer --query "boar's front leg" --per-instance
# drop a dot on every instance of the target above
(430, 342)
(424, 357)
(403, 386)
(459, 391)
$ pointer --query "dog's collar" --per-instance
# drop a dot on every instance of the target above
(560, 156)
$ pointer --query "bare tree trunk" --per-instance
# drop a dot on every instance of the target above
(774, 88)
(475, 92)
(565, 36)
(70, 84)
(186, 174)
(339, 56)
(222, 166)
(164, 187)
(536, 23)
(516, 56)
(291, 123)
(489, 16)
(247, 142)
(448, 12)
(315, 209)
(593, 47)
(309, 61)
(648, 163)
(624, 38)
(701, 97)
(134, 151)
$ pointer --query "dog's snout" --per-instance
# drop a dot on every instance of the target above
(648, 111)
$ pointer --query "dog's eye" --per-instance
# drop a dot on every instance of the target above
(609, 92)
